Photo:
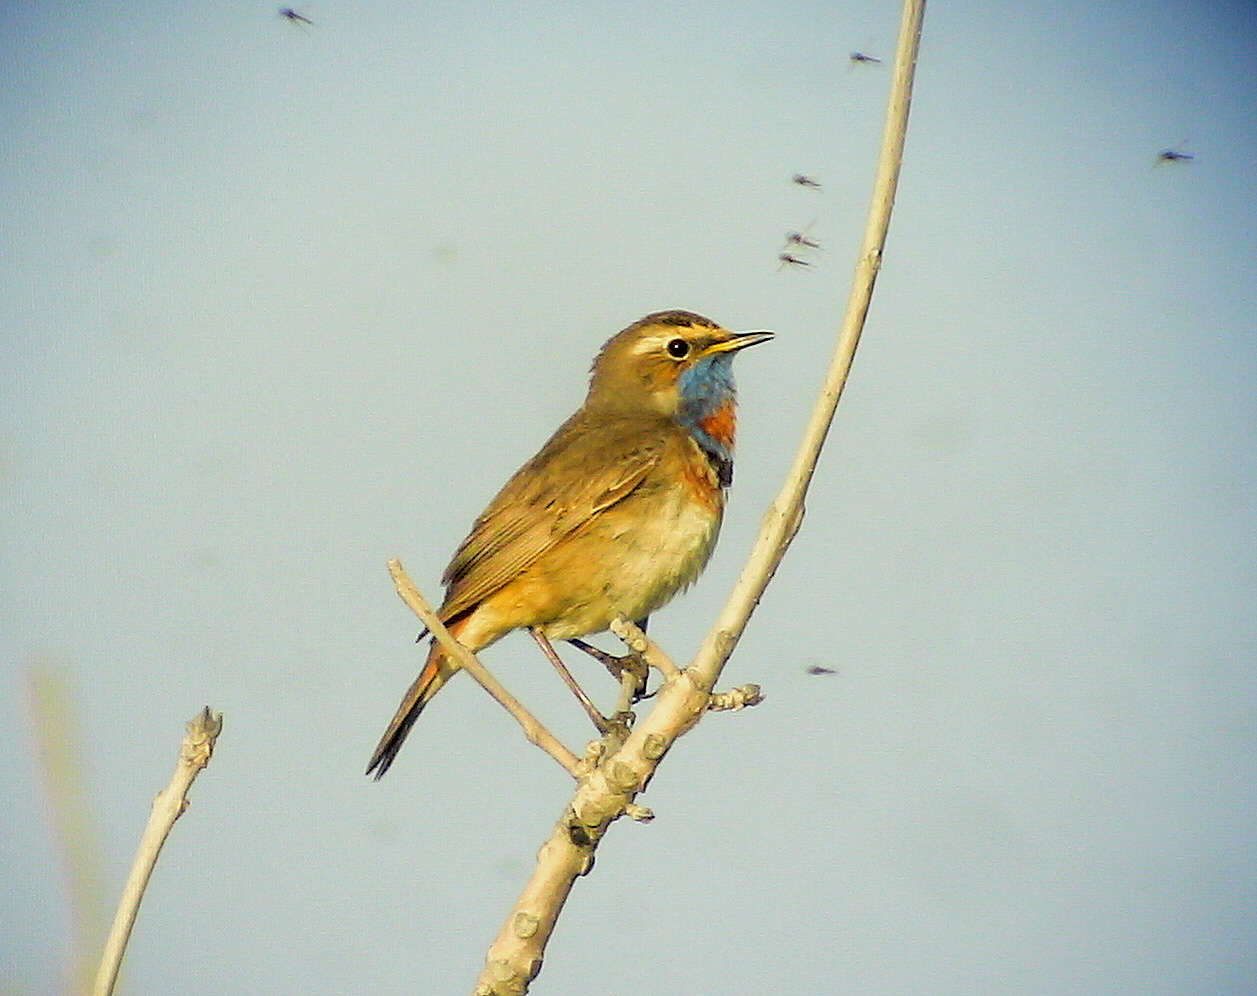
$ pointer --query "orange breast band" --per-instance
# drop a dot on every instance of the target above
(720, 425)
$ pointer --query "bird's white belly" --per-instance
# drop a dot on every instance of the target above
(645, 566)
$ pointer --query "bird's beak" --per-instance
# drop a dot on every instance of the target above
(740, 340)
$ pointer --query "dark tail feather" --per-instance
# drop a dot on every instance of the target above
(392, 740)
(436, 672)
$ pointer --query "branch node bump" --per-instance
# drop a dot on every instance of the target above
(504, 980)
(622, 777)
(654, 746)
(588, 764)
(632, 637)
(702, 683)
(597, 813)
(639, 813)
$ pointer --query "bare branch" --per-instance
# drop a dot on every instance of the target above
(606, 794)
(618, 775)
(198, 746)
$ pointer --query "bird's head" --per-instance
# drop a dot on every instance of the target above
(672, 363)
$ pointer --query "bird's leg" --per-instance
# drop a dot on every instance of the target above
(632, 663)
(547, 648)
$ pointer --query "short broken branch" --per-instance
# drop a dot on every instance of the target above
(735, 698)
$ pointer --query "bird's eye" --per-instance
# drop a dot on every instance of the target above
(678, 349)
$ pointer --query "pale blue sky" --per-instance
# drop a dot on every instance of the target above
(281, 303)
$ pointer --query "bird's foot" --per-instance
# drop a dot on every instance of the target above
(618, 665)
(620, 726)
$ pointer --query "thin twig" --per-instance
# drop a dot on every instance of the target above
(608, 792)
(533, 729)
(628, 689)
(198, 746)
(647, 649)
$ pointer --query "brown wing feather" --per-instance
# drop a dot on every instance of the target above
(587, 466)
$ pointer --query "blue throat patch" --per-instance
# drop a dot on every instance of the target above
(705, 389)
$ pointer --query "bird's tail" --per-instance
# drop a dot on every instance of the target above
(436, 672)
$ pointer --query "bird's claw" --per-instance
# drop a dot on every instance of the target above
(619, 665)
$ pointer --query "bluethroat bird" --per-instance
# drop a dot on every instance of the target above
(617, 513)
